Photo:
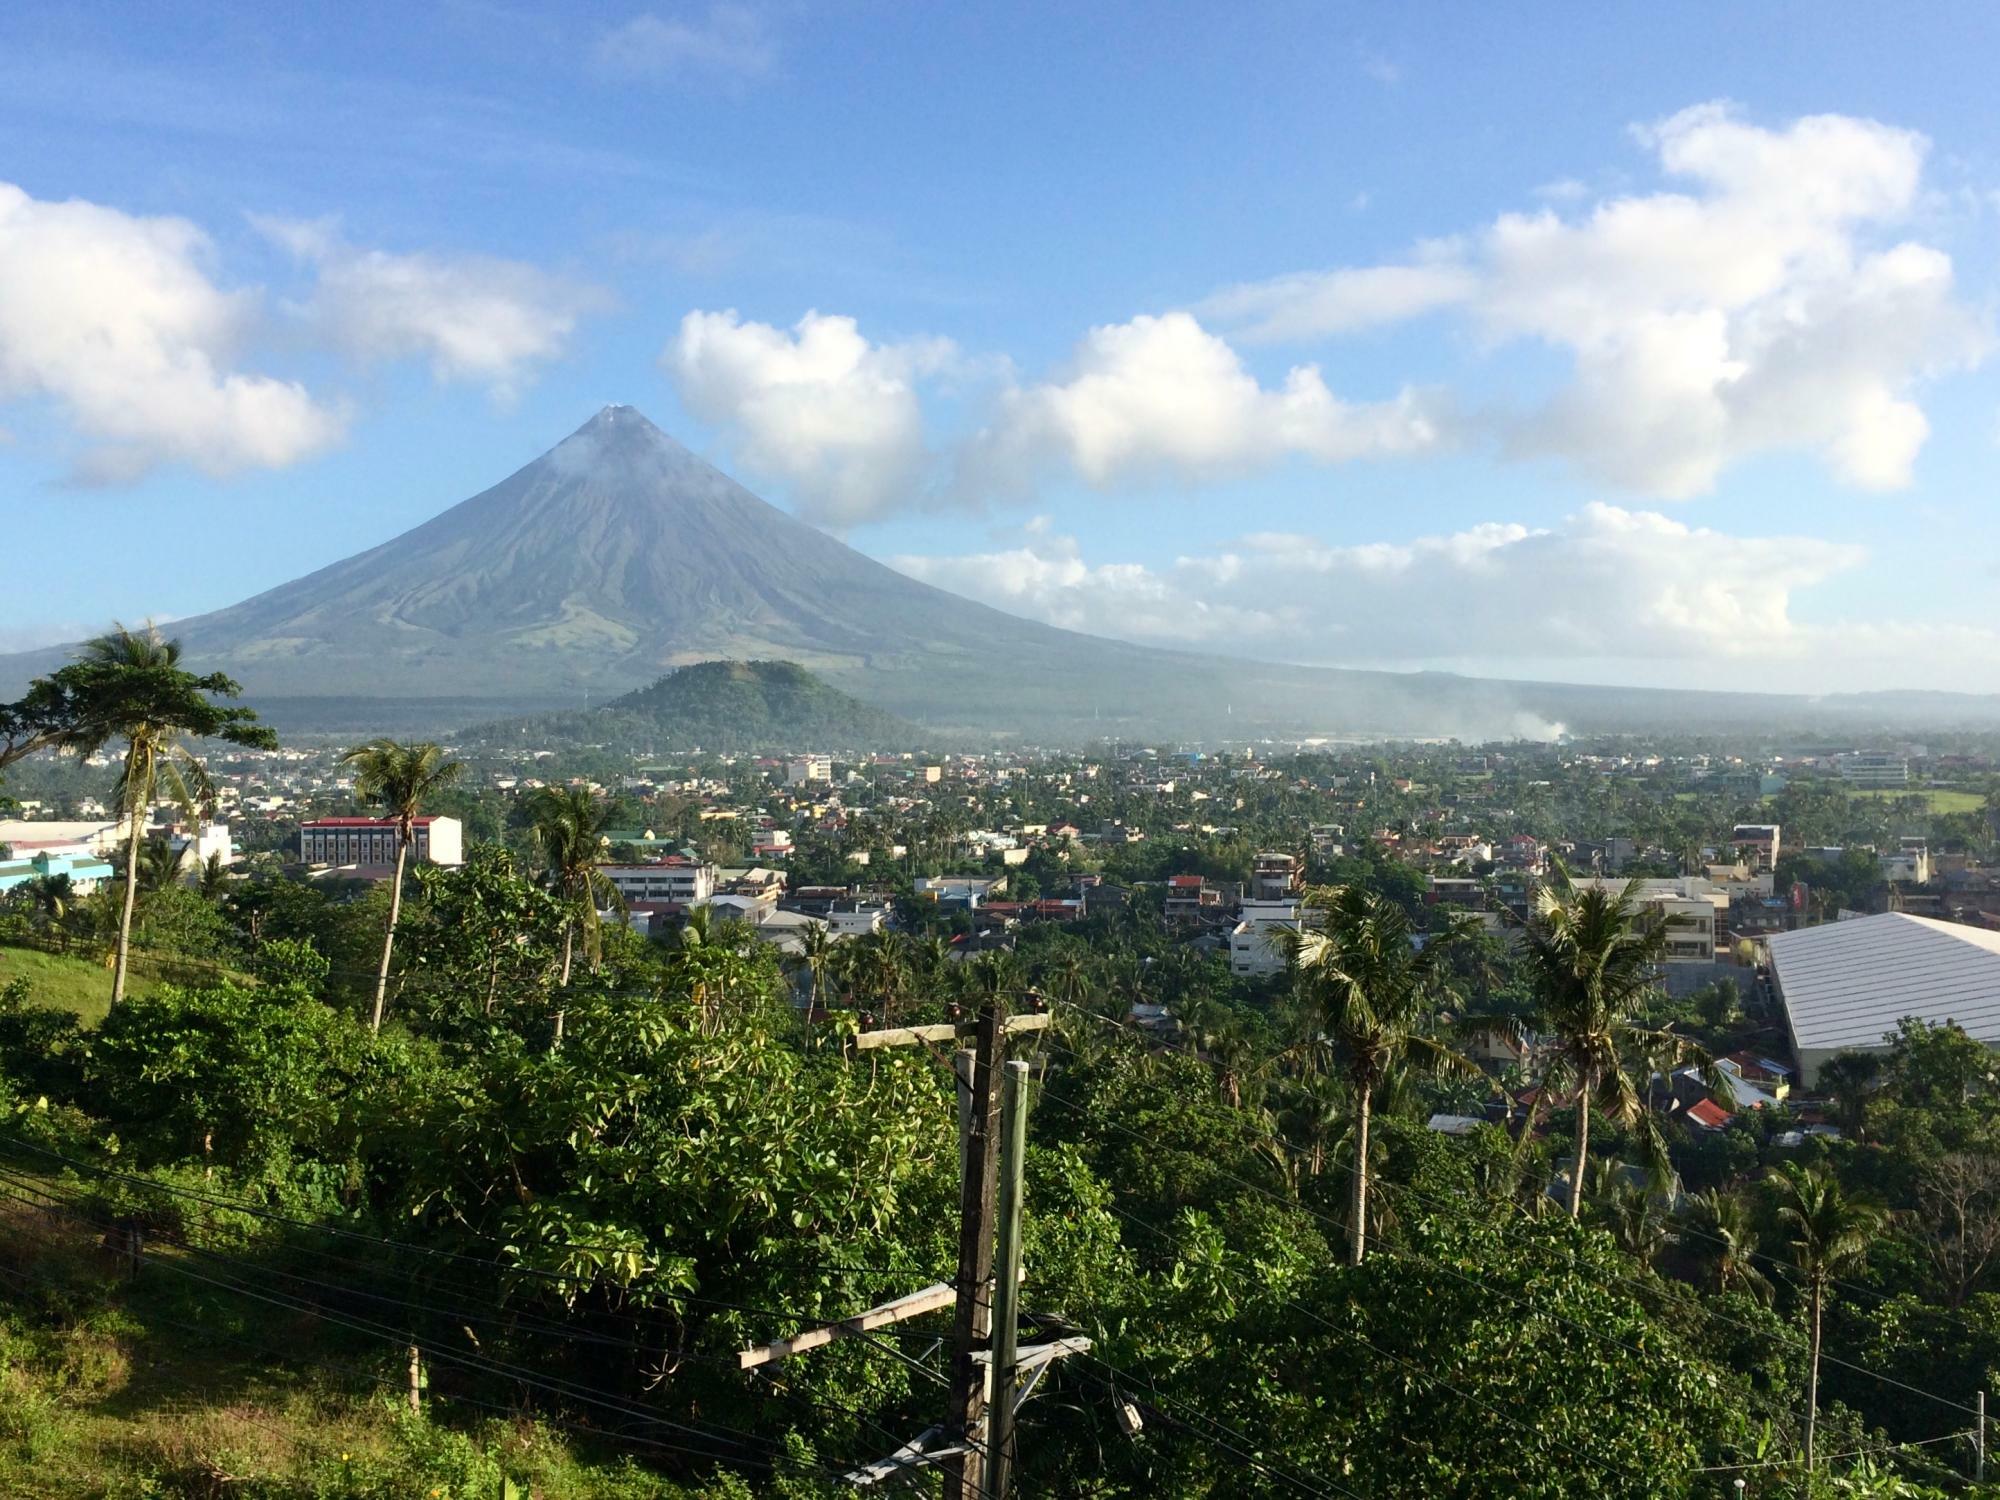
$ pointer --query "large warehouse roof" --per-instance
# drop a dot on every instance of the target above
(1847, 984)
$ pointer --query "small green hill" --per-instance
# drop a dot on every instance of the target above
(720, 705)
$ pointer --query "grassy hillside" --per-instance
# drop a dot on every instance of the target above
(63, 982)
(164, 1385)
(720, 705)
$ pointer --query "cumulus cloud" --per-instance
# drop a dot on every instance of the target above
(1162, 397)
(1765, 304)
(115, 318)
(818, 406)
(1606, 584)
(729, 41)
(472, 318)
(840, 418)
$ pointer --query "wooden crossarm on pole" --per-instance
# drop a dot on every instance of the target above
(945, 1031)
(930, 1299)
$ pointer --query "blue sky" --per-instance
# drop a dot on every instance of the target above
(1574, 341)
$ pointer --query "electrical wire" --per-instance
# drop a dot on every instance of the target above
(1404, 1189)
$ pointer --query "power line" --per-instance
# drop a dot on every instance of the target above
(1397, 1188)
(368, 1328)
(500, 1267)
(1405, 1189)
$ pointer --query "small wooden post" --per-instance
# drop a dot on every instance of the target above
(416, 1379)
(1979, 1443)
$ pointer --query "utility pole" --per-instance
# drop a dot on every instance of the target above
(1007, 1280)
(984, 1325)
(977, 1190)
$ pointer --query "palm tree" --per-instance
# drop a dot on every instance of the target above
(816, 955)
(1827, 1232)
(130, 686)
(159, 866)
(1373, 997)
(878, 973)
(401, 778)
(1724, 1233)
(50, 898)
(1593, 961)
(214, 877)
(1067, 979)
(566, 826)
(1848, 1079)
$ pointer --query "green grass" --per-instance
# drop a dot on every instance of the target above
(1941, 799)
(62, 982)
(164, 1386)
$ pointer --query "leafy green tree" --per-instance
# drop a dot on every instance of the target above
(238, 1077)
(1373, 998)
(1827, 1232)
(399, 777)
(132, 688)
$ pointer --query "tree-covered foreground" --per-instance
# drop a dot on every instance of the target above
(579, 1170)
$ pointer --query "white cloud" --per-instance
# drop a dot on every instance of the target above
(729, 41)
(1769, 306)
(472, 318)
(115, 319)
(1318, 304)
(840, 419)
(1163, 397)
(818, 406)
(1606, 586)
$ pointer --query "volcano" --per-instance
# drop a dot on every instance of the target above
(619, 555)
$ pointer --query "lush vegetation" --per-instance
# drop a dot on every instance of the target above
(577, 1170)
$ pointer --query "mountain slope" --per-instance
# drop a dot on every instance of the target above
(618, 555)
(721, 706)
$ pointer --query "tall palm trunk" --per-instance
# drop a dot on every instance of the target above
(1812, 1373)
(562, 984)
(1582, 1150)
(1357, 1229)
(389, 936)
(132, 840)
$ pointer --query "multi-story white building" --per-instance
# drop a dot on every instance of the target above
(371, 842)
(809, 768)
(1255, 949)
(1757, 844)
(674, 882)
(1691, 905)
(1872, 770)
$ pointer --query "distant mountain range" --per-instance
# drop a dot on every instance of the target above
(720, 706)
(619, 555)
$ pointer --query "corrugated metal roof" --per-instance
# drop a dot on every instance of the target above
(1847, 984)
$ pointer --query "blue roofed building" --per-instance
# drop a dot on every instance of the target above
(86, 871)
